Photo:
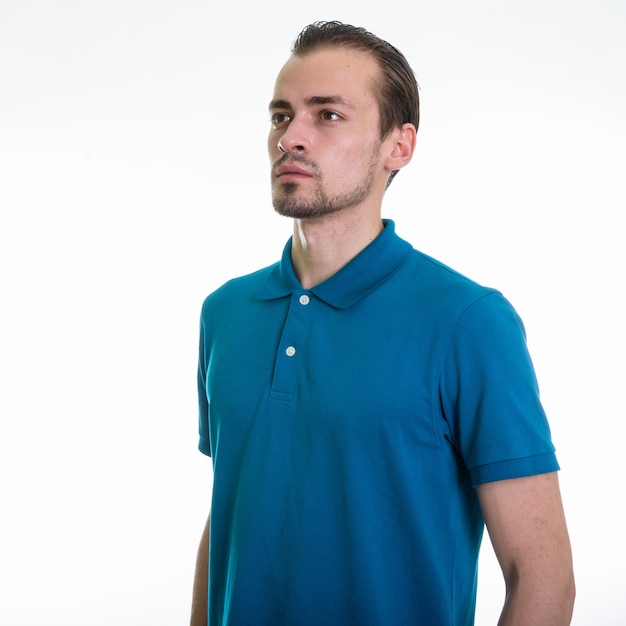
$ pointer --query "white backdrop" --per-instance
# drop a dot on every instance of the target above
(134, 180)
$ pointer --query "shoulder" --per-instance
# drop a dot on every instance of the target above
(437, 274)
(448, 295)
(236, 290)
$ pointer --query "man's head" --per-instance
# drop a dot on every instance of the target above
(342, 122)
(396, 91)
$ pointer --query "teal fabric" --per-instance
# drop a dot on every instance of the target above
(349, 425)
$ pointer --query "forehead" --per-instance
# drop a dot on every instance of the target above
(338, 72)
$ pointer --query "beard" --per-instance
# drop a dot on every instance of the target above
(319, 203)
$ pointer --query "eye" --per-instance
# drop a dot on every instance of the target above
(330, 116)
(280, 119)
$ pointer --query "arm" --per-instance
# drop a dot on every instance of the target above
(526, 524)
(201, 581)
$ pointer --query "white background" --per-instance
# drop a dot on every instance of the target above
(134, 180)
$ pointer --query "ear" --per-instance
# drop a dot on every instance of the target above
(401, 148)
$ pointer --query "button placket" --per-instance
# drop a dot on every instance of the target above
(292, 345)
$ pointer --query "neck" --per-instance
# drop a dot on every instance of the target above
(321, 247)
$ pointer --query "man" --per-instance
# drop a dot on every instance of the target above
(366, 408)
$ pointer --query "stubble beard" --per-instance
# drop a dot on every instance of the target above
(319, 204)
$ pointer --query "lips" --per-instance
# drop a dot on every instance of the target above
(291, 170)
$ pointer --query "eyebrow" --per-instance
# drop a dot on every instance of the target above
(312, 101)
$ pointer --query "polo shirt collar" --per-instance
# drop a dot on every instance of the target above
(366, 271)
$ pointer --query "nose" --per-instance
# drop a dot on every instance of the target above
(285, 147)
(294, 138)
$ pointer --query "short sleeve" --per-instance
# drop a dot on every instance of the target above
(204, 444)
(490, 395)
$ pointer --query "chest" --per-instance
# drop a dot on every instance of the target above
(305, 369)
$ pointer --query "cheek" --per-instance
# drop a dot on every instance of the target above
(359, 159)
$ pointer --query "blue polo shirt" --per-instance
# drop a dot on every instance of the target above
(348, 426)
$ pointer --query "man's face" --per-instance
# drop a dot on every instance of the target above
(324, 143)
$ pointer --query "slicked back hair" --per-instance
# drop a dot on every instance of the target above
(397, 91)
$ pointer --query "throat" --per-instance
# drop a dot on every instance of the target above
(320, 250)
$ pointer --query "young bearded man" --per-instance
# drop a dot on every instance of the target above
(367, 409)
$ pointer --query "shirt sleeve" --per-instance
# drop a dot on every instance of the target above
(490, 396)
(204, 444)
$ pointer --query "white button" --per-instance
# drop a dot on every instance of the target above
(304, 300)
(290, 351)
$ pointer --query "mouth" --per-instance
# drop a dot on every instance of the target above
(292, 171)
